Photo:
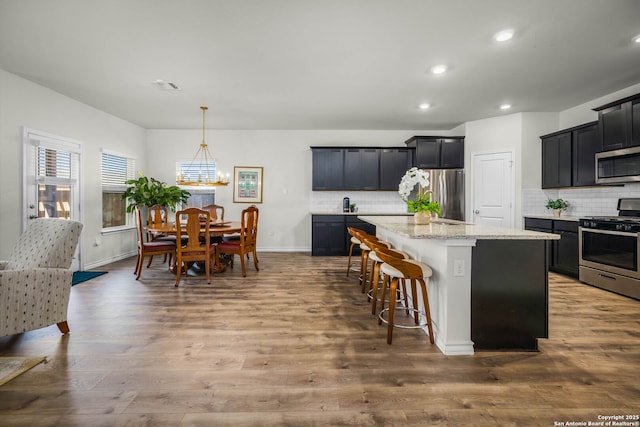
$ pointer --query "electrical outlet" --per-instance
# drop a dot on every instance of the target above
(458, 267)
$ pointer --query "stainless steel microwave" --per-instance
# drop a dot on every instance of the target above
(618, 166)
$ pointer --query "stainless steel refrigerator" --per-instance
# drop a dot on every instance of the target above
(447, 186)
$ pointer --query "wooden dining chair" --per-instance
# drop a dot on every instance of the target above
(158, 217)
(215, 211)
(193, 222)
(217, 214)
(247, 243)
(154, 247)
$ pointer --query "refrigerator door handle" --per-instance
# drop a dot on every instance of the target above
(443, 192)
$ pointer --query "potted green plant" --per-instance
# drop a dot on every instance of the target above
(558, 205)
(422, 206)
(146, 191)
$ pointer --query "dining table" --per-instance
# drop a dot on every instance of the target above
(216, 228)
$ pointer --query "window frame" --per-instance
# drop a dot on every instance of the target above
(116, 188)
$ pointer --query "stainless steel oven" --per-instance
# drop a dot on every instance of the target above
(609, 251)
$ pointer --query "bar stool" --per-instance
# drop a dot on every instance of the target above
(354, 241)
(375, 272)
(364, 256)
(415, 271)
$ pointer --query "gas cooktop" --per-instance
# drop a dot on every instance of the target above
(620, 218)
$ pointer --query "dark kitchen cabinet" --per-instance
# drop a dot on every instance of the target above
(394, 162)
(327, 169)
(563, 253)
(361, 167)
(568, 156)
(565, 250)
(619, 123)
(556, 160)
(434, 152)
(329, 236)
(586, 143)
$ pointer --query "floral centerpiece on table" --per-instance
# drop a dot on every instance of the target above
(421, 203)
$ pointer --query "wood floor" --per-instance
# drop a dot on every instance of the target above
(295, 344)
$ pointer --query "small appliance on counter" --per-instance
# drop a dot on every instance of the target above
(345, 204)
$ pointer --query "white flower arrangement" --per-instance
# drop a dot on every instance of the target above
(408, 182)
(422, 202)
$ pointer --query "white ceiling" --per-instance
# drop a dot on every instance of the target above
(321, 64)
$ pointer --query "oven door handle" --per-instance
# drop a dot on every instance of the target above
(616, 233)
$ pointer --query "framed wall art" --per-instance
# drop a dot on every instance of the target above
(247, 184)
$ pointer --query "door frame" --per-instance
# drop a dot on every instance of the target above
(77, 263)
(512, 191)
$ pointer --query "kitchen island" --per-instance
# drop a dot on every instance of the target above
(489, 288)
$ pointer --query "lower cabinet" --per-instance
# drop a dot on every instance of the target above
(565, 250)
(563, 254)
(329, 235)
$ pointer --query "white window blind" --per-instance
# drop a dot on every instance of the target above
(117, 169)
(54, 163)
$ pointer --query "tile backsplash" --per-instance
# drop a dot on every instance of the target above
(588, 201)
(365, 201)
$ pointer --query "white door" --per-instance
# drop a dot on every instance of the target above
(493, 189)
(51, 180)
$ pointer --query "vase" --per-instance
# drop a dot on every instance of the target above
(422, 218)
(557, 213)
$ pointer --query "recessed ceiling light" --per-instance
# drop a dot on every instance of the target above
(438, 69)
(503, 35)
(424, 106)
(164, 85)
(505, 106)
(636, 39)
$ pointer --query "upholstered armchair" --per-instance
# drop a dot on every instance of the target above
(35, 282)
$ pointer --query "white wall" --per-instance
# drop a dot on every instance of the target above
(285, 156)
(584, 113)
(583, 201)
(25, 104)
(487, 136)
(534, 125)
(518, 133)
(285, 220)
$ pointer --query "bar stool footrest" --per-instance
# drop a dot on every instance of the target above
(411, 310)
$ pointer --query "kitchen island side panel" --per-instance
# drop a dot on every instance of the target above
(509, 294)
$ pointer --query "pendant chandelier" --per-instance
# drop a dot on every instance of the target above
(201, 171)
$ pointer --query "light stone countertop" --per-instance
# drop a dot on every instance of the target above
(361, 213)
(445, 229)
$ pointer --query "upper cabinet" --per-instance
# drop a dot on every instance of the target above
(586, 143)
(359, 168)
(568, 156)
(394, 162)
(556, 160)
(620, 123)
(328, 169)
(438, 152)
